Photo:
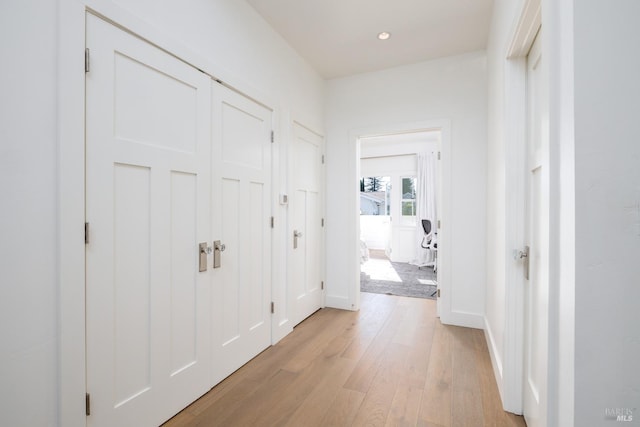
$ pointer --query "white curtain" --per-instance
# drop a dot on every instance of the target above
(426, 203)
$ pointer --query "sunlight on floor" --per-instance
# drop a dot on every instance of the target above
(380, 269)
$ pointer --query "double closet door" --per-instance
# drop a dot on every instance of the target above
(173, 160)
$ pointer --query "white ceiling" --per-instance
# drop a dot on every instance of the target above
(339, 37)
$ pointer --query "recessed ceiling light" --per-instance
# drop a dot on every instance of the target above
(384, 35)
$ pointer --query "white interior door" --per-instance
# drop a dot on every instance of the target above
(537, 287)
(403, 212)
(242, 222)
(147, 202)
(306, 239)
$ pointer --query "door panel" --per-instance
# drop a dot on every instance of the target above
(132, 298)
(242, 182)
(184, 229)
(228, 285)
(536, 292)
(306, 258)
(257, 291)
(147, 201)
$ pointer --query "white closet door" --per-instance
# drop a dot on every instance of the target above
(147, 202)
(306, 240)
(242, 223)
(536, 297)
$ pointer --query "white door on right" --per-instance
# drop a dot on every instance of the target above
(306, 240)
(537, 287)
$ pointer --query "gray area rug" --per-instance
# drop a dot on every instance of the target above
(380, 276)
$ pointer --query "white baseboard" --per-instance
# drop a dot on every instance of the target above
(280, 331)
(340, 302)
(496, 359)
(468, 320)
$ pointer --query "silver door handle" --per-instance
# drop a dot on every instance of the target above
(296, 234)
(204, 250)
(524, 255)
(218, 248)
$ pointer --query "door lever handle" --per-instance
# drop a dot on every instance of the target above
(296, 235)
(524, 256)
(218, 248)
(204, 250)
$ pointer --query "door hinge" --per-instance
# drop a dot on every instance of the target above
(322, 159)
(273, 307)
(86, 233)
(86, 60)
(438, 223)
(87, 404)
(438, 293)
(438, 155)
(273, 221)
(322, 285)
(273, 138)
(322, 222)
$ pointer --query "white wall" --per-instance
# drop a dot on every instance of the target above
(607, 205)
(226, 33)
(28, 288)
(451, 88)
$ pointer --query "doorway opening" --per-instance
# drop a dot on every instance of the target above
(398, 213)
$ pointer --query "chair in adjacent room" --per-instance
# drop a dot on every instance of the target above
(430, 242)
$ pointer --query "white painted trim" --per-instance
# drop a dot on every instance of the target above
(558, 47)
(467, 320)
(494, 354)
(281, 323)
(343, 303)
(525, 31)
(279, 320)
(71, 205)
(444, 245)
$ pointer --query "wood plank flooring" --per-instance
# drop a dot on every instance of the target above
(390, 364)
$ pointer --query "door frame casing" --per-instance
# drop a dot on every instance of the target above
(444, 250)
(71, 326)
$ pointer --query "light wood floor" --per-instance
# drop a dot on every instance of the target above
(390, 364)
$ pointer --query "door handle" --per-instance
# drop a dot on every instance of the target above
(296, 235)
(204, 251)
(524, 256)
(218, 248)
